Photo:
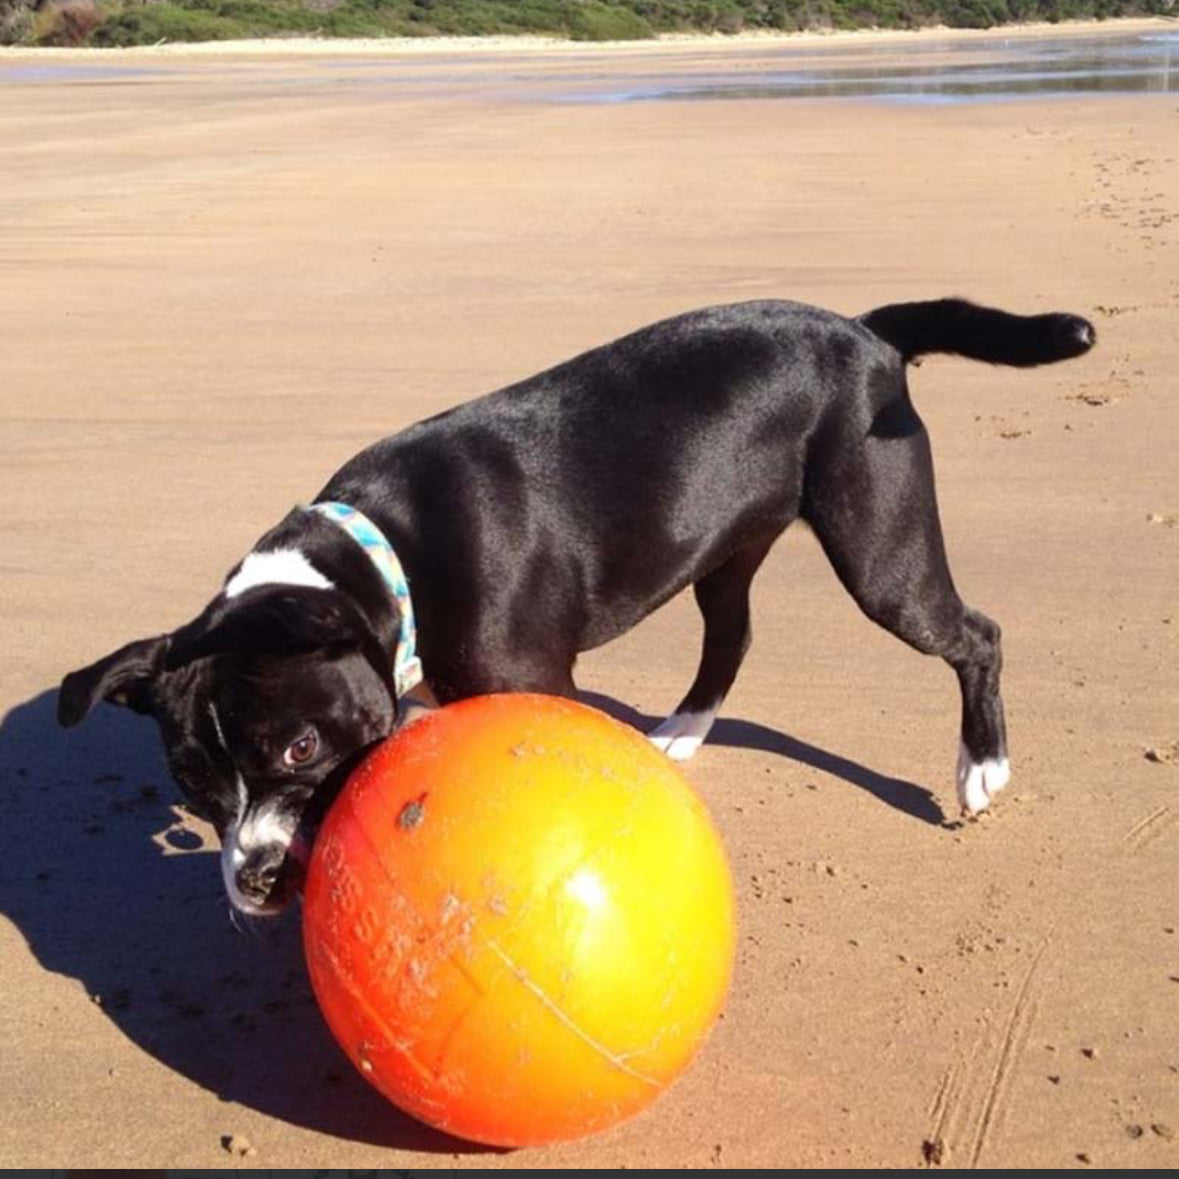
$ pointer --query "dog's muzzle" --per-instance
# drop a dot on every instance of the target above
(264, 864)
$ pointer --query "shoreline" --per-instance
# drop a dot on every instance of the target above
(395, 47)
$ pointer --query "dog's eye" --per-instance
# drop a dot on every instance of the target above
(300, 752)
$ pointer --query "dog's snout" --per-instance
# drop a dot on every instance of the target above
(263, 858)
(257, 877)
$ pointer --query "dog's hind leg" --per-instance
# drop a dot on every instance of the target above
(875, 513)
(723, 598)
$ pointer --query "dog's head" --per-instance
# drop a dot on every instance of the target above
(264, 702)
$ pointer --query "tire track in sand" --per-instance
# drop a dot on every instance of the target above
(958, 1110)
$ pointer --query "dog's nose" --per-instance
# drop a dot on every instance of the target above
(257, 877)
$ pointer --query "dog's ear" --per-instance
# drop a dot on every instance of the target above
(124, 677)
(268, 620)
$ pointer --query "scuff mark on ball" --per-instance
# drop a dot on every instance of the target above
(412, 813)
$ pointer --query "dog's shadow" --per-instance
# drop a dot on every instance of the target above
(112, 886)
(908, 797)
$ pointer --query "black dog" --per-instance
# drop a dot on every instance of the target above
(550, 517)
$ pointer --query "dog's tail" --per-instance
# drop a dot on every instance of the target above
(981, 333)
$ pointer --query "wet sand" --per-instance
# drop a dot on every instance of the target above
(223, 278)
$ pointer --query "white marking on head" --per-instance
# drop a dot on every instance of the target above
(217, 728)
(232, 859)
(276, 567)
(266, 826)
(682, 733)
(246, 833)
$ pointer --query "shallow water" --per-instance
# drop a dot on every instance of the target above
(982, 69)
(992, 68)
(26, 72)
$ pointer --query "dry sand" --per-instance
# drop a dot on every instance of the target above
(223, 277)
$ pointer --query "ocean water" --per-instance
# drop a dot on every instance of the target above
(930, 70)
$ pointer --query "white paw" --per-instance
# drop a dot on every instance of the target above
(979, 782)
(682, 733)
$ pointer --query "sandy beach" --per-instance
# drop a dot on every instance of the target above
(224, 272)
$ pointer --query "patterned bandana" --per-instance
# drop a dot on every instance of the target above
(407, 667)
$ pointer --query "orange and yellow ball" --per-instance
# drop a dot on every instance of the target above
(518, 920)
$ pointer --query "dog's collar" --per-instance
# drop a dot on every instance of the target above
(407, 667)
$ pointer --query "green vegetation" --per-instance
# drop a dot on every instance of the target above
(138, 22)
